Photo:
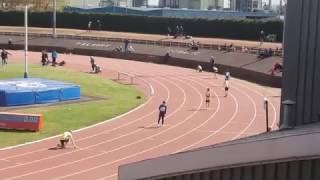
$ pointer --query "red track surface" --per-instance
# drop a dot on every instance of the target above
(134, 136)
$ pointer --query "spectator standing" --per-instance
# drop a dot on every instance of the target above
(89, 26)
(212, 62)
(44, 58)
(4, 57)
(54, 56)
(261, 37)
(169, 31)
(93, 64)
(126, 45)
(181, 30)
(99, 24)
(177, 32)
(10, 44)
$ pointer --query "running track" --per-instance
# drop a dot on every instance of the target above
(134, 136)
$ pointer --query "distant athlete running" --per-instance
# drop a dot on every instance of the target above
(162, 112)
(226, 88)
(208, 98)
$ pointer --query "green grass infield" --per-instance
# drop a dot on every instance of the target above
(110, 100)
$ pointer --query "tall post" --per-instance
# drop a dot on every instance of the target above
(270, 1)
(266, 107)
(54, 31)
(26, 42)
(251, 5)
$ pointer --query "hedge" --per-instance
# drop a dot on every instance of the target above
(231, 29)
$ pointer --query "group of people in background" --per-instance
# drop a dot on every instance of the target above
(94, 25)
(177, 32)
(54, 56)
(214, 69)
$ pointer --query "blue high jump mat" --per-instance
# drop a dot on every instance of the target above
(28, 91)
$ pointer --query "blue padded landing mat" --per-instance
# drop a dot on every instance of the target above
(20, 91)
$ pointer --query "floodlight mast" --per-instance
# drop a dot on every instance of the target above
(54, 31)
(26, 42)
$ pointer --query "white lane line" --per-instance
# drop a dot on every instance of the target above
(257, 92)
(78, 130)
(217, 131)
(45, 149)
(146, 150)
(252, 119)
(127, 145)
(107, 131)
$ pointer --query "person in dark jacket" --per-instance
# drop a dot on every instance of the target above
(162, 112)
(4, 57)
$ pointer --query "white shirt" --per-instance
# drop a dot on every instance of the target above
(66, 135)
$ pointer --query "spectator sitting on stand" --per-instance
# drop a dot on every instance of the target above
(118, 49)
(277, 67)
(131, 49)
(194, 46)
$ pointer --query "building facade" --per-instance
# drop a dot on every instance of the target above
(121, 3)
(192, 4)
(300, 81)
(140, 3)
(245, 5)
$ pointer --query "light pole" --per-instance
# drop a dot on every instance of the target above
(54, 31)
(266, 106)
(26, 42)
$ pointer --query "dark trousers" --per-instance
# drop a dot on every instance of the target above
(63, 142)
(161, 116)
(54, 61)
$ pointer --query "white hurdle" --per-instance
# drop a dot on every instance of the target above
(132, 76)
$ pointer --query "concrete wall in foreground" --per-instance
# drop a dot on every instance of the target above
(286, 157)
(301, 76)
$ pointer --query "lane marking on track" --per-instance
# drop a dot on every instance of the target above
(257, 92)
(84, 148)
(92, 126)
(107, 152)
(107, 177)
(132, 155)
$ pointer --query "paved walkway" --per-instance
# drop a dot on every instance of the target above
(137, 36)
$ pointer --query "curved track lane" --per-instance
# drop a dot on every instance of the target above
(134, 136)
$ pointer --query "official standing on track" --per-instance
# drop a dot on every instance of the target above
(162, 112)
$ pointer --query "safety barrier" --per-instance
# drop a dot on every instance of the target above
(17, 121)
(253, 50)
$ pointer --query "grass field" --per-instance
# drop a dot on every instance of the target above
(114, 99)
